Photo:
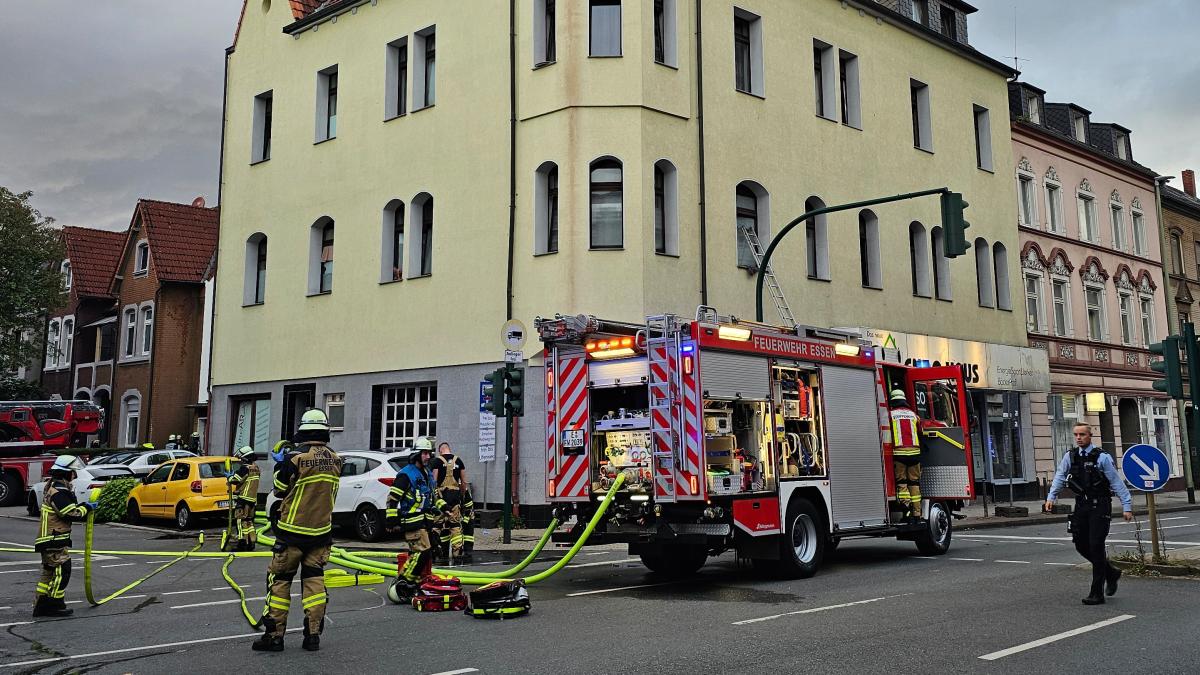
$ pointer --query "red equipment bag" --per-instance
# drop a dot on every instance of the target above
(440, 594)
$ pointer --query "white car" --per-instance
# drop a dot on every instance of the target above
(367, 477)
(86, 479)
(143, 463)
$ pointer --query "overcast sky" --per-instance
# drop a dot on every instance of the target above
(103, 102)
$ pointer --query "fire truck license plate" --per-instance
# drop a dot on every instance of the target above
(572, 438)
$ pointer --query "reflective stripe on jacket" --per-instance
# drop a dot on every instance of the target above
(59, 508)
(906, 438)
(310, 485)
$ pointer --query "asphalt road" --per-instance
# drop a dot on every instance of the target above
(1002, 600)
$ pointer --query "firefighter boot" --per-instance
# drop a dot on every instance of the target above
(268, 643)
(46, 606)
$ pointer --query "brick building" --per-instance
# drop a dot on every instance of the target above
(1181, 221)
(159, 291)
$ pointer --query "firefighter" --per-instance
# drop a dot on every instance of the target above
(413, 504)
(59, 509)
(194, 443)
(906, 453)
(450, 476)
(243, 487)
(1092, 475)
(172, 442)
(306, 483)
(468, 526)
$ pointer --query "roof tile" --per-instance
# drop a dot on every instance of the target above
(94, 255)
(182, 238)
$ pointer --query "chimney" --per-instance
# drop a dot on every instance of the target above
(1189, 182)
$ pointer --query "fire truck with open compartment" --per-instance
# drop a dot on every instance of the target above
(29, 430)
(770, 441)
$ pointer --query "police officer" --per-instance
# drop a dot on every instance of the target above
(59, 509)
(1092, 475)
(906, 453)
(412, 503)
(243, 487)
(306, 483)
(450, 476)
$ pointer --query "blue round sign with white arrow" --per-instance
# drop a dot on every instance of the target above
(1146, 467)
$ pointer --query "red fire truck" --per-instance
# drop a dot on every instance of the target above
(769, 441)
(32, 428)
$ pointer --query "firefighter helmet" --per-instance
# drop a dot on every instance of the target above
(147, 446)
(244, 452)
(314, 420)
(66, 464)
(424, 444)
(898, 397)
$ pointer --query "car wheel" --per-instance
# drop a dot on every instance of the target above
(368, 524)
(133, 515)
(803, 545)
(10, 488)
(183, 517)
(935, 538)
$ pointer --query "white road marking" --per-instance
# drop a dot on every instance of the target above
(6, 607)
(605, 562)
(814, 610)
(1063, 564)
(118, 565)
(969, 559)
(620, 588)
(1123, 524)
(17, 544)
(925, 557)
(11, 563)
(15, 623)
(225, 588)
(1055, 638)
(1007, 537)
(165, 645)
(198, 590)
(19, 571)
(460, 671)
(223, 602)
(1016, 562)
(131, 597)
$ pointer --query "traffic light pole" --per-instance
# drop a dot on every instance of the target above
(1193, 365)
(766, 261)
(506, 516)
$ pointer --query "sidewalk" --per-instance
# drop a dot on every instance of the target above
(978, 519)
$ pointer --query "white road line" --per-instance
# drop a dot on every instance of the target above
(1015, 562)
(12, 563)
(620, 588)
(816, 609)
(969, 559)
(1055, 638)
(924, 557)
(225, 588)
(130, 597)
(1063, 564)
(604, 562)
(15, 623)
(19, 571)
(165, 645)
(223, 602)
(6, 607)
(118, 565)
(198, 590)
(460, 671)
(1007, 537)
(17, 544)
(1161, 520)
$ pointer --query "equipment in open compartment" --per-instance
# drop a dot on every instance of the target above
(737, 446)
(797, 422)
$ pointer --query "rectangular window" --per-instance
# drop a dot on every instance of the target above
(1120, 144)
(660, 211)
(606, 205)
(398, 243)
(1035, 109)
(851, 101)
(132, 417)
(921, 124)
(335, 411)
(407, 413)
(1064, 415)
(1079, 127)
(424, 68)
(261, 149)
(147, 330)
(52, 336)
(1062, 316)
(1176, 254)
(327, 94)
(665, 36)
(141, 260)
(250, 423)
(260, 271)
(1147, 311)
(983, 140)
(825, 80)
(1156, 428)
(748, 53)
(1139, 234)
(605, 28)
(920, 12)
(949, 23)
(1033, 304)
(545, 43)
(1087, 219)
(1118, 227)
(1095, 313)
(1054, 208)
(1025, 194)
(1126, 302)
(130, 332)
(396, 96)
(1184, 318)
(1196, 249)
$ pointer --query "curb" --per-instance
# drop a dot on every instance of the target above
(994, 522)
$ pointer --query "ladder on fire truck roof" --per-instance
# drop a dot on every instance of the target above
(662, 347)
(772, 284)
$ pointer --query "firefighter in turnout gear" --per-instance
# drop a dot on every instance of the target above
(906, 453)
(414, 506)
(1092, 475)
(243, 485)
(468, 525)
(306, 483)
(59, 509)
(449, 475)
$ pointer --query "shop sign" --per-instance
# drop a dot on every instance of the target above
(984, 365)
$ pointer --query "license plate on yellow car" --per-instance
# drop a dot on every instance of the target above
(223, 504)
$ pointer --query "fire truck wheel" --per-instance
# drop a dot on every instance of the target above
(935, 538)
(10, 489)
(803, 546)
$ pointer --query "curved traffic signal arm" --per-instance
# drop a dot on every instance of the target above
(514, 391)
(493, 392)
(1169, 366)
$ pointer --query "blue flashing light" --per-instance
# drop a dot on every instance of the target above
(921, 363)
(688, 349)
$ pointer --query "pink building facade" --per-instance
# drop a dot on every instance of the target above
(1093, 284)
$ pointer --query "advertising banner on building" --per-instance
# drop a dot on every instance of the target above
(985, 365)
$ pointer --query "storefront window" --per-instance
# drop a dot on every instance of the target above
(1064, 415)
(1002, 436)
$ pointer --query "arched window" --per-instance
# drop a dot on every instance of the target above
(1000, 265)
(254, 287)
(607, 208)
(392, 244)
(816, 237)
(918, 244)
(131, 413)
(868, 250)
(983, 273)
(941, 265)
(545, 210)
(753, 214)
(666, 208)
(320, 256)
(421, 259)
(1176, 254)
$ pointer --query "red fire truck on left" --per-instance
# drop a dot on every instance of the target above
(30, 429)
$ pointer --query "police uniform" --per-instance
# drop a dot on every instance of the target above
(906, 453)
(1092, 475)
(447, 473)
(412, 503)
(59, 510)
(244, 484)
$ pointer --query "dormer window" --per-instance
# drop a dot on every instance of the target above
(920, 12)
(949, 23)
(1035, 110)
(1079, 126)
(65, 269)
(141, 258)
(1121, 144)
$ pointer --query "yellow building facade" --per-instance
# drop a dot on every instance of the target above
(630, 126)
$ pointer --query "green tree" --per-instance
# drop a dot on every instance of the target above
(30, 282)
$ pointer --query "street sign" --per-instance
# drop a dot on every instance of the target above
(1146, 468)
(513, 356)
(513, 334)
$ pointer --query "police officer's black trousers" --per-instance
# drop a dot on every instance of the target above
(1089, 529)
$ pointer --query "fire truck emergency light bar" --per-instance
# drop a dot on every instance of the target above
(613, 348)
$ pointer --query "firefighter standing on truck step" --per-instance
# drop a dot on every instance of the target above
(450, 476)
(243, 484)
(906, 453)
(306, 483)
(412, 503)
(59, 509)
(1092, 475)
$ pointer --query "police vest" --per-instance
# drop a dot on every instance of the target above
(1086, 478)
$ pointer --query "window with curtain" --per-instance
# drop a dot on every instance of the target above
(398, 243)
(1094, 298)
(1054, 208)
(130, 332)
(147, 329)
(1146, 305)
(1125, 301)
(606, 222)
(326, 270)
(605, 28)
(743, 65)
(1060, 292)
(427, 238)
(747, 220)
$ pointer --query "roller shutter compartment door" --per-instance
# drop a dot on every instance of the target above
(853, 448)
(733, 376)
(625, 372)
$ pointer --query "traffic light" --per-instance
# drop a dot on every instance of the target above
(1168, 365)
(493, 392)
(954, 225)
(514, 390)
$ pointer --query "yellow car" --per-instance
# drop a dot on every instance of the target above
(183, 489)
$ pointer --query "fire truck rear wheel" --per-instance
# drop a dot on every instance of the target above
(935, 538)
(10, 488)
(803, 546)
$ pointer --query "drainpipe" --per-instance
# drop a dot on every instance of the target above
(1173, 321)
(512, 153)
(153, 350)
(700, 141)
(212, 334)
